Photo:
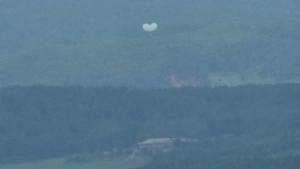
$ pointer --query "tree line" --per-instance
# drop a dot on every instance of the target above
(39, 122)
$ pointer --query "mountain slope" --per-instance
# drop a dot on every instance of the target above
(101, 43)
(49, 122)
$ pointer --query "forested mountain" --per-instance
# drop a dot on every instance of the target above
(101, 42)
(196, 160)
(248, 121)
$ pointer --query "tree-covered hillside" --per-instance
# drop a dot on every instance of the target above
(101, 42)
(247, 121)
(196, 160)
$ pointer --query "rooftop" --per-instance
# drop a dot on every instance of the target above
(166, 140)
(157, 141)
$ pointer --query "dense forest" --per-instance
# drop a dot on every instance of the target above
(38, 122)
(198, 160)
(101, 42)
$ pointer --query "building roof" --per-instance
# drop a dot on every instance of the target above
(157, 141)
(166, 141)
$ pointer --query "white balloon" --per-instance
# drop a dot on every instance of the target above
(149, 28)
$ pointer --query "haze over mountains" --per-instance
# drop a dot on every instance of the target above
(101, 42)
(82, 82)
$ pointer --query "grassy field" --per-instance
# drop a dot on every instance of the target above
(107, 163)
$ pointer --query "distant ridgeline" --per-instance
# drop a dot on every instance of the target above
(246, 121)
(102, 42)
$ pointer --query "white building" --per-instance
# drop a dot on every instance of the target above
(164, 144)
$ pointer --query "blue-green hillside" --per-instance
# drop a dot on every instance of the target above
(101, 42)
(53, 122)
